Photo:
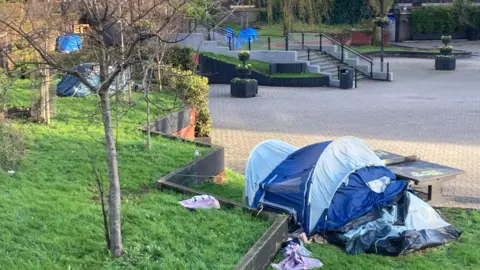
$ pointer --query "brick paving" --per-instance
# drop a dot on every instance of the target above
(432, 114)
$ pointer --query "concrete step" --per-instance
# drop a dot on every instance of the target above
(327, 63)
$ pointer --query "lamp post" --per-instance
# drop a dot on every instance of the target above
(382, 5)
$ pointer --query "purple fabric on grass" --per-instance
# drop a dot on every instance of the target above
(294, 261)
(200, 201)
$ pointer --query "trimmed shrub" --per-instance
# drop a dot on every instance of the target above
(180, 57)
(12, 147)
(435, 19)
(194, 89)
(349, 12)
(444, 19)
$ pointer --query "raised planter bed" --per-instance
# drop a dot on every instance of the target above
(445, 63)
(180, 123)
(219, 72)
(264, 250)
(243, 88)
(459, 35)
(361, 38)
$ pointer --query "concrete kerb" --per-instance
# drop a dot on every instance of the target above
(414, 54)
(261, 254)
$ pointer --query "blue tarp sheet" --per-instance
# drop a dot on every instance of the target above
(69, 43)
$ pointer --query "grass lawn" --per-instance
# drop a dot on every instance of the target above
(50, 215)
(261, 67)
(463, 254)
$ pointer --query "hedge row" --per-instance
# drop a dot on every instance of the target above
(349, 12)
(442, 20)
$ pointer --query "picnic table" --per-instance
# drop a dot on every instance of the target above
(422, 173)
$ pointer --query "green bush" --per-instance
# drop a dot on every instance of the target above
(12, 147)
(180, 57)
(444, 19)
(194, 89)
(349, 12)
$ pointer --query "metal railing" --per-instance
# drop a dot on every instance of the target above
(312, 43)
(321, 41)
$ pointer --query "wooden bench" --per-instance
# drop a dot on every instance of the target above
(422, 173)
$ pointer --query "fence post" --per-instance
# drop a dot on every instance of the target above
(249, 43)
(269, 48)
(343, 56)
(286, 42)
(388, 71)
(338, 72)
(356, 80)
(320, 40)
(308, 54)
(208, 35)
(230, 43)
(303, 39)
(371, 70)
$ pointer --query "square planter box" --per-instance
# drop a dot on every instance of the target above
(244, 89)
(445, 63)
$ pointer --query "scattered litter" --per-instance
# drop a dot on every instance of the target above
(317, 238)
(197, 153)
(200, 201)
(11, 171)
(296, 258)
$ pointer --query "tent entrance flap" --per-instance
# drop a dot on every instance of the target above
(289, 192)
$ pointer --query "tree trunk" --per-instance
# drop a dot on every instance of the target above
(377, 36)
(114, 200)
(43, 98)
(3, 111)
(46, 94)
(149, 143)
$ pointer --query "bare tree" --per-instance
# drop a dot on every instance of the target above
(122, 35)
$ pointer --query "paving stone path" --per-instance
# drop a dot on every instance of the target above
(432, 114)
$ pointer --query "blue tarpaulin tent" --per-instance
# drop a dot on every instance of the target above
(232, 38)
(69, 43)
(71, 86)
(342, 190)
(246, 33)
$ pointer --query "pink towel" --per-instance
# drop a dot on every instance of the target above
(295, 261)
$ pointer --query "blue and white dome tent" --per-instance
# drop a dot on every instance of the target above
(342, 190)
(71, 86)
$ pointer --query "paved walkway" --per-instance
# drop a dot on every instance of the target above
(432, 114)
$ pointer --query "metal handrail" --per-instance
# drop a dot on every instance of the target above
(355, 69)
(213, 28)
(347, 48)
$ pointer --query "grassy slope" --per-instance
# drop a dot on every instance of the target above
(50, 218)
(260, 67)
(464, 254)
